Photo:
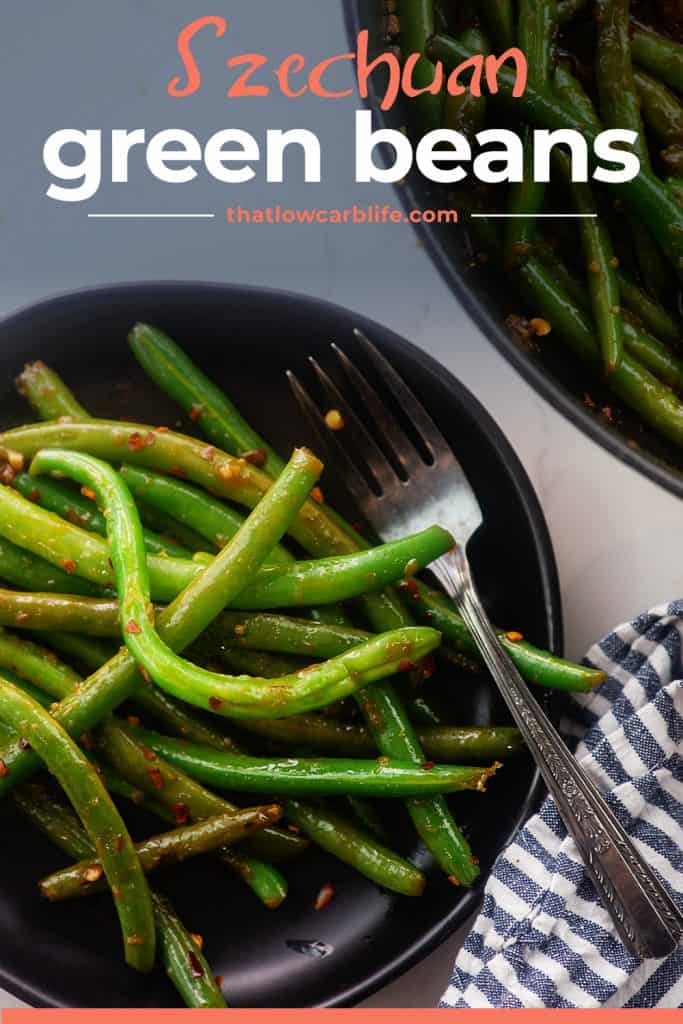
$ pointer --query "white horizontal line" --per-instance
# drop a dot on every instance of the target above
(151, 216)
(542, 216)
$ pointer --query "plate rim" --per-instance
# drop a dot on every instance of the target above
(369, 984)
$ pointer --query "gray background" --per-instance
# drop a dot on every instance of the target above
(85, 64)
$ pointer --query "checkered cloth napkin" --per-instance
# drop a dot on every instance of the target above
(542, 939)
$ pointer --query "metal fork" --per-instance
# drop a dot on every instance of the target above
(409, 489)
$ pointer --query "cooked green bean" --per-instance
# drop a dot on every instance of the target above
(208, 407)
(467, 113)
(500, 22)
(100, 818)
(648, 312)
(662, 110)
(619, 103)
(647, 196)
(601, 268)
(233, 696)
(537, 25)
(241, 773)
(183, 959)
(446, 743)
(211, 518)
(569, 88)
(47, 394)
(77, 509)
(365, 812)
(37, 665)
(659, 55)
(53, 818)
(353, 846)
(165, 850)
(417, 25)
(329, 580)
(25, 570)
(178, 950)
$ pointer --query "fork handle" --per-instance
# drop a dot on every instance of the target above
(643, 913)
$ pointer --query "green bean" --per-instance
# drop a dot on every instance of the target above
(53, 818)
(183, 959)
(239, 696)
(646, 196)
(258, 663)
(619, 104)
(500, 22)
(601, 266)
(538, 667)
(98, 814)
(467, 113)
(672, 158)
(676, 187)
(37, 665)
(212, 519)
(661, 109)
(165, 850)
(176, 375)
(23, 569)
(568, 9)
(654, 356)
(281, 634)
(365, 813)
(417, 25)
(172, 715)
(658, 55)
(79, 510)
(338, 578)
(349, 844)
(35, 692)
(47, 394)
(537, 25)
(178, 951)
(445, 743)
(569, 88)
(650, 313)
(166, 526)
(242, 773)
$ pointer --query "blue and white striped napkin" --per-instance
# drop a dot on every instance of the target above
(542, 939)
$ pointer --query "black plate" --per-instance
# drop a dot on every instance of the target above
(246, 338)
(553, 371)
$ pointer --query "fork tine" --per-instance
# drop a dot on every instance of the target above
(430, 434)
(400, 444)
(360, 490)
(357, 434)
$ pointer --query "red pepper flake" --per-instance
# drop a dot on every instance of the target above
(156, 777)
(208, 453)
(325, 896)
(133, 720)
(132, 627)
(4, 770)
(294, 828)
(178, 472)
(88, 493)
(149, 755)
(93, 873)
(318, 496)
(427, 766)
(258, 457)
(145, 674)
(215, 703)
(454, 880)
(475, 860)
(34, 495)
(21, 617)
(88, 741)
(118, 844)
(136, 442)
(412, 587)
(383, 760)
(514, 637)
(219, 980)
(7, 474)
(195, 412)
(197, 939)
(180, 815)
(69, 566)
(406, 666)
(163, 430)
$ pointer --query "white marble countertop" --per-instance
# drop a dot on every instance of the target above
(608, 524)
